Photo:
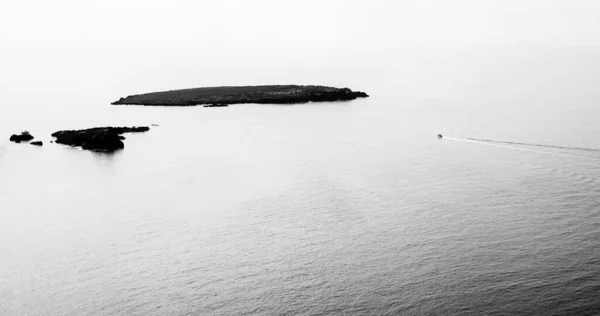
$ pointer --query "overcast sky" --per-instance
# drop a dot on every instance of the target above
(112, 47)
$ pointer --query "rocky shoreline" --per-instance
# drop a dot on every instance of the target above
(222, 96)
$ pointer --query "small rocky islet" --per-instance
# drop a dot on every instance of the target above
(99, 139)
(223, 96)
(25, 136)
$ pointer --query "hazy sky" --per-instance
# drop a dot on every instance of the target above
(74, 48)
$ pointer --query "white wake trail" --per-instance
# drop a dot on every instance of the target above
(497, 144)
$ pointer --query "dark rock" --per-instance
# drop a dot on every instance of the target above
(23, 137)
(37, 143)
(103, 139)
(222, 96)
(216, 105)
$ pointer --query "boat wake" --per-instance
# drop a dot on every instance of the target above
(586, 179)
(534, 145)
(523, 146)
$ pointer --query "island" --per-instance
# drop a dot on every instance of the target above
(23, 137)
(279, 94)
(99, 139)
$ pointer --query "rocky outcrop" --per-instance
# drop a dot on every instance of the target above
(101, 139)
(285, 94)
(37, 143)
(23, 137)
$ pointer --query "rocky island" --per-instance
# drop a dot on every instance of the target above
(100, 139)
(23, 137)
(282, 94)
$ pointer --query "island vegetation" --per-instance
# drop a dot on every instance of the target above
(221, 96)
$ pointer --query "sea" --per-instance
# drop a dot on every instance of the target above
(340, 208)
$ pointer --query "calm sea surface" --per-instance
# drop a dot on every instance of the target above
(315, 209)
